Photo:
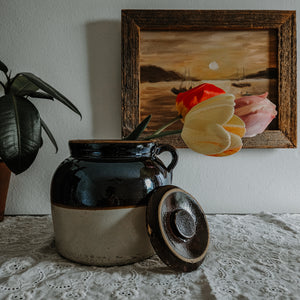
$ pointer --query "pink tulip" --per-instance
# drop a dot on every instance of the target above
(256, 111)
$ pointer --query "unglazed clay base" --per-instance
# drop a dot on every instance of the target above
(102, 237)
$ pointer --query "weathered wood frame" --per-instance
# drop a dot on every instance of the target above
(284, 22)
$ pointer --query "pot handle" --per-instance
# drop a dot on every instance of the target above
(165, 147)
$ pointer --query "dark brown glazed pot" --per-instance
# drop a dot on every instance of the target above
(99, 198)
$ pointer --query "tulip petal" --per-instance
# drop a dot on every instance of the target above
(257, 111)
(257, 123)
(210, 140)
(217, 104)
(235, 146)
(236, 125)
(203, 131)
(186, 100)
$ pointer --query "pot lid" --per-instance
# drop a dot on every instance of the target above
(177, 227)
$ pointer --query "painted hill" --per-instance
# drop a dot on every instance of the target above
(152, 73)
(269, 73)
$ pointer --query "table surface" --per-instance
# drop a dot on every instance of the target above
(249, 257)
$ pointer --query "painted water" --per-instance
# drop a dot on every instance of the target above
(158, 99)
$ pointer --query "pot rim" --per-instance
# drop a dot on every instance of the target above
(96, 141)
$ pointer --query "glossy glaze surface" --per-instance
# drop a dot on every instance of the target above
(99, 200)
(103, 174)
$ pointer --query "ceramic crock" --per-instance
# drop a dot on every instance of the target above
(99, 199)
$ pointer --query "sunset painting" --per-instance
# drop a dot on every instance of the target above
(239, 62)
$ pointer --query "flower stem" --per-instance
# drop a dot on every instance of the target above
(167, 125)
(165, 133)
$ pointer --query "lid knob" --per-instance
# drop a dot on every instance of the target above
(183, 224)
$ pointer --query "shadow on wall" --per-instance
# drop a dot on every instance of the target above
(104, 62)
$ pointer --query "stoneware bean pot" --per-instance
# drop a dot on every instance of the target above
(99, 197)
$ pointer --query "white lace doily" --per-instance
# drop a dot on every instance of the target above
(249, 257)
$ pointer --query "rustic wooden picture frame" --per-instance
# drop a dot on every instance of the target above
(283, 22)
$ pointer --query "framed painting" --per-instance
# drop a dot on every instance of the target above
(165, 52)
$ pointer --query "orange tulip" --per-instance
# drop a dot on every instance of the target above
(187, 100)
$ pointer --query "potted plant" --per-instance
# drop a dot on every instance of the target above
(21, 125)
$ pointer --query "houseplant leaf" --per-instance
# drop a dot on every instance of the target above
(138, 130)
(51, 91)
(20, 132)
(3, 67)
(50, 135)
(35, 94)
(21, 83)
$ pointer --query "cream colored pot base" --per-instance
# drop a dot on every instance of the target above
(103, 237)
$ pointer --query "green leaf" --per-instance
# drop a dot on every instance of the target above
(21, 84)
(35, 95)
(20, 132)
(3, 67)
(51, 91)
(50, 135)
(139, 129)
(3, 86)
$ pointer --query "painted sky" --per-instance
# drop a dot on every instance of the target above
(210, 55)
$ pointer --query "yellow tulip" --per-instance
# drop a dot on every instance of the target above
(211, 128)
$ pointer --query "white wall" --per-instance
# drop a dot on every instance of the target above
(75, 45)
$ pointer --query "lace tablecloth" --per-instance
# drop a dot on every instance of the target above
(249, 257)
